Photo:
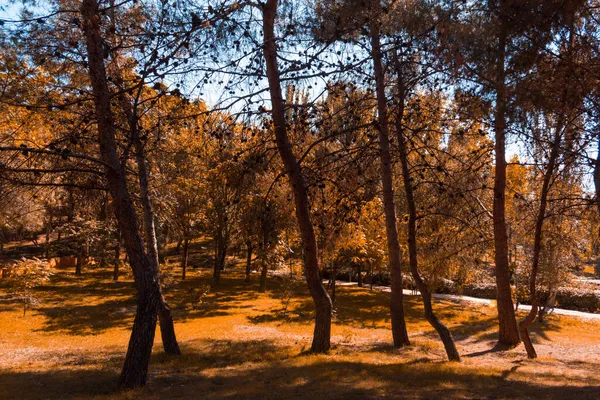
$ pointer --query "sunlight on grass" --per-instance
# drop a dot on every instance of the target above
(240, 343)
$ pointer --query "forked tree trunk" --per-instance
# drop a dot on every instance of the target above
(248, 261)
(399, 333)
(507, 323)
(441, 329)
(184, 258)
(135, 368)
(167, 327)
(323, 306)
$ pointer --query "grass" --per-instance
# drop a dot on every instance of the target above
(240, 344)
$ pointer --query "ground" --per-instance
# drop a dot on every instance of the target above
(241, 344)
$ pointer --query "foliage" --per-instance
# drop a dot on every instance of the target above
(24, 276)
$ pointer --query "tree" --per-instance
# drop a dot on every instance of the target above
(144, 267)
(323, 306)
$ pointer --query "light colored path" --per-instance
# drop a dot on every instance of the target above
(460, 299)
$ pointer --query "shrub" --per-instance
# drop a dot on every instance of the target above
(480, 290)
(578, 299)
(23, 276)
(197, 296)
(444, 286)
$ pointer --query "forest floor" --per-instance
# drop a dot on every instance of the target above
(243, 344)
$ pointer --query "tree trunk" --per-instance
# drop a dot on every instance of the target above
(184, 258)
(323, 306)
(441, 329)
(359, 275)
(333, 281)
(116, 262)
(219, 258)
(541, 214)
(167, 328)
(263, 256)
(79, 263)
(537, 245)
(223, 257)
(597, 198)
(399, 333)
(508, 330)
(48, 230)
(135, 368)
(263, 275)
(248, 261)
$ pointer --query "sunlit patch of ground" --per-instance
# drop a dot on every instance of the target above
(241, 344)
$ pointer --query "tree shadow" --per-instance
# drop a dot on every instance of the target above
(58, 384)
(291, 378)
(89, 319)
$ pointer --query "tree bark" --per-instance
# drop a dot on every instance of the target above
(333, 282)
(323, 307)
(184, 258)
(135, 368)
(264, 248)
(434, 321)
(220, 254)
(597, 198)
(399, 333)
(79, 263)
(263, 275)
(248, 261)
(507, 323)
(116, 260)
(48, 230)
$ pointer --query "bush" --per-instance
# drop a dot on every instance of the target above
(445, 286)
(569, 298)
(578, 299)
(480, 290)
